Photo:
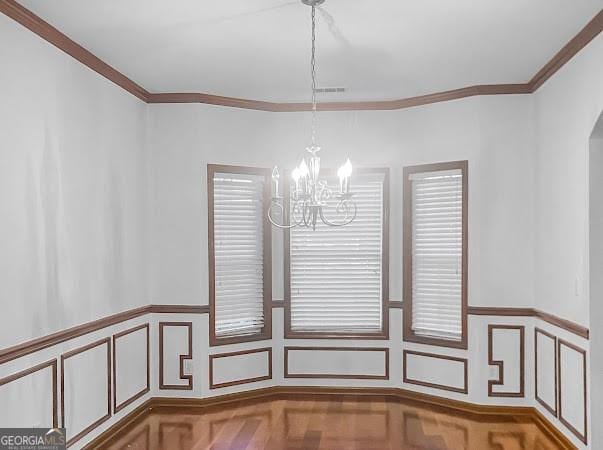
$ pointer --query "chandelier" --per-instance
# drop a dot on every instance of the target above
(310, 196)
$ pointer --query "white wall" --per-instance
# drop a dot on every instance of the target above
(493, 133)
(566, 109)
(72, 191)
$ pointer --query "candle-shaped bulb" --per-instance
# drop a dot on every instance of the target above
(347, 168)
(275, 177)
(341, 175)
(295, 174)
(303, 168)
(303, 173)
(345, 172)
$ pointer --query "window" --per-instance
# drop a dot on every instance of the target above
(435, 254)
(240, 271)
(336, 278)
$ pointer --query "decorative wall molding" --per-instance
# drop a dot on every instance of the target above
(501, 364)
(49, 33)
(182, 405)
(182, 358)
(107, 416)
(408, 380)
(34, 345)
(28, 347)
(212, 358)
(582, 436)
(75, 332)
(179, 309)
(384, 350)
(116, 337)
(564, 324)
(52, 364)
(498, 311)
(550, 408)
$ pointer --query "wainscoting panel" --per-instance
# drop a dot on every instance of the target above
(572, 388)
(365, 363)
(545, 370)
(178, 337)
(443, 372)
(506, 351)
(85, 388)
(247, 366)
(131, 371)
(33, 393)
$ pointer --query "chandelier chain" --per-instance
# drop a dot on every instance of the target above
(313, 75)
(309, 196)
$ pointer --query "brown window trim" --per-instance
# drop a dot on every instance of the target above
(408, 334)
(266, 332)
(383, 334)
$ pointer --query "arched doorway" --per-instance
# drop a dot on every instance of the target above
(596, 280)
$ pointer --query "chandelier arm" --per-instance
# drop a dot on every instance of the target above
(348, 219)
(307, 213)
(276, 224)
(297, 206)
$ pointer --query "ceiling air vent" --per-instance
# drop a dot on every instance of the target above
(329, 90)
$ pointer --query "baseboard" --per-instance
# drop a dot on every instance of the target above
(180, 405)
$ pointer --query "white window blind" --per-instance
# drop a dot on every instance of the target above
(437, 253)
(238, 253)
(336, 272)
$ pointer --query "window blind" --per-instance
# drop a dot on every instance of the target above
(238, 253)
(336, 272)
(437, 253)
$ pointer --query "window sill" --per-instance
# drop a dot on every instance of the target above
(217, 341)
(382, 335)
(438, 342)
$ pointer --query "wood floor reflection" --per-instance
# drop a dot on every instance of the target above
(334, 422)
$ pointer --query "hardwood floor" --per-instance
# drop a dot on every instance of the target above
(334, 422)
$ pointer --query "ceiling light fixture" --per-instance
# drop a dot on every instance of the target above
(309, 195)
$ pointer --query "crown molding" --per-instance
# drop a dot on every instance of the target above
(37, 25)
(381, 105)
(49, 33)
(577, 43)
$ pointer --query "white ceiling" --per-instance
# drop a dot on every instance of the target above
(377, 49)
